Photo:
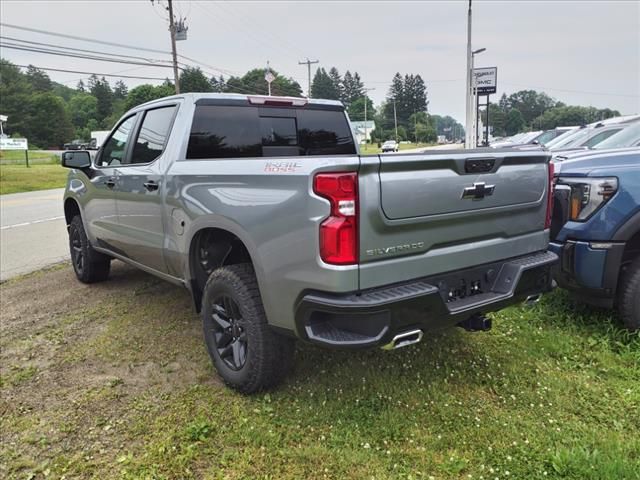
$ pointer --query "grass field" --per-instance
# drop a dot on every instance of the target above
(112, 380)
(16, 157)
(40, 176)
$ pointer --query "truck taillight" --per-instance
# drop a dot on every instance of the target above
(547, 222)
(339, 232)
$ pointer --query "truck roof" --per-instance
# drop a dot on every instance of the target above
(258, 99)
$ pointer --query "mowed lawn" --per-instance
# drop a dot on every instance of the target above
(18, 178)
(112, 380)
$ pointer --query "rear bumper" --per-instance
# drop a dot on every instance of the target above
(373, 317)
(591, 273)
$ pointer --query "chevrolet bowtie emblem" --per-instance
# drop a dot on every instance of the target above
(478, 191)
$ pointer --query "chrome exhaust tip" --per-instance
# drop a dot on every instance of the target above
(404, 339)
(531, 299)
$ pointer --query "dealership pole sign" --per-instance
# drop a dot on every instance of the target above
(486, 83)
(486, 80)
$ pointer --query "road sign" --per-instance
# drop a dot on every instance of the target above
(486, 80)
(13, 144)
(269, 76)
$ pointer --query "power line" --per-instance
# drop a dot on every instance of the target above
(89, 73)
(84, 39)
(50, 45)
(73, 55)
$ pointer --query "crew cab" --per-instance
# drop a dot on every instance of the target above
(596, 230)
(264, 210)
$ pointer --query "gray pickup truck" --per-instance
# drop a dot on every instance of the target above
(264, 210)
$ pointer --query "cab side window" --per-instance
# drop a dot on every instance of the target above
(114, 150)
(153, 134)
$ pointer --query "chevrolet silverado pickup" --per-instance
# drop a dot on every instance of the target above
(264, 210)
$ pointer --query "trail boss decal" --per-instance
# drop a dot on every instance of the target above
(397, 249)
(281, 167)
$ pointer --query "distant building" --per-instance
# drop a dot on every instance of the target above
(359, 128)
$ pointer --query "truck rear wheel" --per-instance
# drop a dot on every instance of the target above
(89, 266)
(247, 353)
(629, 300)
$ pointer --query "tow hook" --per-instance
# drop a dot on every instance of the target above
(476, 323)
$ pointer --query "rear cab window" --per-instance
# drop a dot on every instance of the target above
(236, 131)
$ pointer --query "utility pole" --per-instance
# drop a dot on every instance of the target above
(468, 89)
(308, 63)
(366, 100)
(395, 119)
(172, 29)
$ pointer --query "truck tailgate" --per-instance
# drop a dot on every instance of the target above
(427, 213)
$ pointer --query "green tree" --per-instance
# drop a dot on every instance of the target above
(120, 90)
(336, 82)
(15, 92)
(218, 85)
(322, 86)
(253, 82)
(80, 87)
(356, 109)
(530, 104)
(39, 80)
(82, 107)
(101, 89)
(352, 87)
(49, 122)
(514, 122)
(145, 93)
(193, 80)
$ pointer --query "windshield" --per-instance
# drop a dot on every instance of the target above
(571, 140)
(546, 137)
(626, 138)
(559, 138)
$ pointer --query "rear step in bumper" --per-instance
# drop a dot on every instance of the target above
(385, 316)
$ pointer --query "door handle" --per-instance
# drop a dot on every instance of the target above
(110, 182)
(151, 186)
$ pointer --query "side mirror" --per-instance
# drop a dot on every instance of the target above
(76, 159)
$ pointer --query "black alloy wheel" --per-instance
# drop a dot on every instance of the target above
(228, 328)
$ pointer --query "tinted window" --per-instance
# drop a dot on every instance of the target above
(114, 150)
(278, 131)
(237, 131)
(224, 132)
(153, 134)
(324, 132)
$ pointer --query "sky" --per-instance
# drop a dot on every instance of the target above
(579, 52)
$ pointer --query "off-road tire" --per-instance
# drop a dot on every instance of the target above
(629, 295)
(268, 355)
(89, 265)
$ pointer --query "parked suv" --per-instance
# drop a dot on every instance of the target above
(596, 230)
(263, 209)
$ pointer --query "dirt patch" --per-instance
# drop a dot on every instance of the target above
(75, 357)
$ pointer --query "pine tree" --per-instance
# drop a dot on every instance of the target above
(80, 87)
(322, 86)
(336, 82)
(120, 90)
(353, 88)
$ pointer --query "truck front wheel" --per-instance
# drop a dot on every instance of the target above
(247, 353)
(89, 266)
(629, 300)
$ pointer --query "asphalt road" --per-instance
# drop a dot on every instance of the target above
(32, 232)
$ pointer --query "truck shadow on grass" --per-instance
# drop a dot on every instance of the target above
(113, 380)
